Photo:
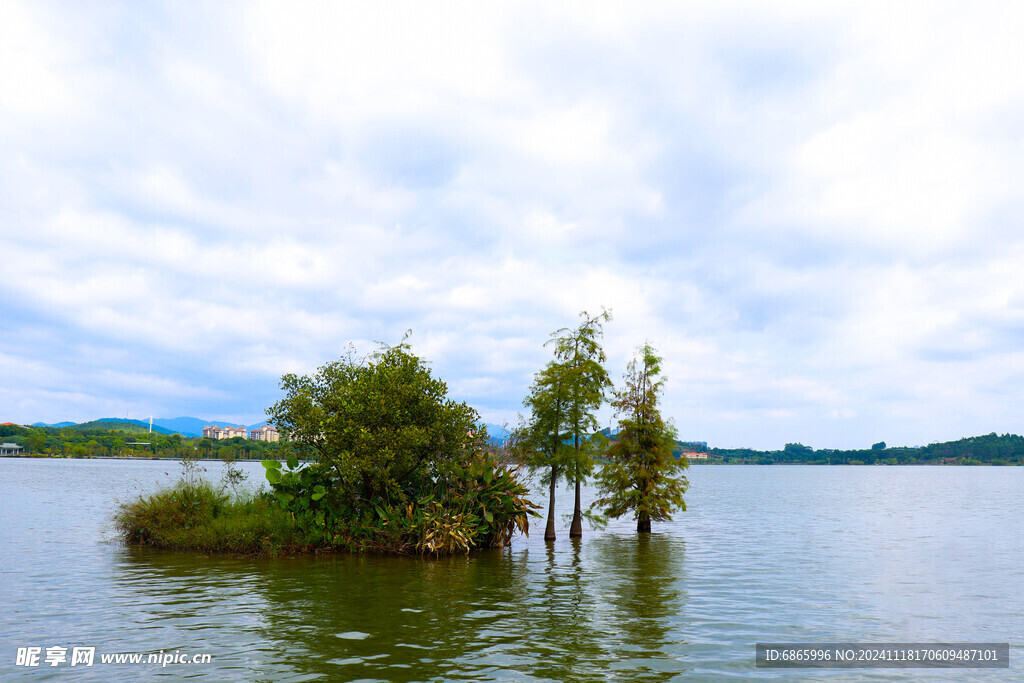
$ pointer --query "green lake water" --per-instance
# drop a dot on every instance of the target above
(764, 554)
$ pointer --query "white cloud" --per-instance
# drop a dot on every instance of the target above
(358, 64)
(903, 155)
(808, 208)
(33, 81)
(574, 136)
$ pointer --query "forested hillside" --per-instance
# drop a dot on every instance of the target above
(990, 449)
(130, 440)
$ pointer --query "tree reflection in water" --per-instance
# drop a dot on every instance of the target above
(606, 607)
(645, 600)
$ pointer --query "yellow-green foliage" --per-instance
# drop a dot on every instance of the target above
(478, 505)
(196, 516)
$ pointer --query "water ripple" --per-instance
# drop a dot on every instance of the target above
(763, 554)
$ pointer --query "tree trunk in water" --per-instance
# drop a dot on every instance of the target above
(643, 524)
(576, 530)
(549, 532)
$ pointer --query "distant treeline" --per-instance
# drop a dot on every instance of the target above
(990, 449)
(126, 440)
(90, 440)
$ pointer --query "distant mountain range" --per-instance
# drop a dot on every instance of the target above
(497, 433)
(186, 426)
(193, 426)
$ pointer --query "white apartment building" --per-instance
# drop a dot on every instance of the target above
(215, 432)
(264, 433)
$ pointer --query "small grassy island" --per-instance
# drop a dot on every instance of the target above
(380, 460)
(377, 457)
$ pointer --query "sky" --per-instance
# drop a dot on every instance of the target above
(811, 210)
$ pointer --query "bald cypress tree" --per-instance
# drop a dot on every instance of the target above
(557, 437)
(579, 353)
(543, 435)
(641, 474)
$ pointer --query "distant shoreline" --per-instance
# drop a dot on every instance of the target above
(701, 462)
(117, 457)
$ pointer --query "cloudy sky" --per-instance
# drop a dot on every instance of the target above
(813, 210)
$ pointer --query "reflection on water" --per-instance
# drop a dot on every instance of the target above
(763, 554)
(534, 612)
(584, 612)
(644, 602)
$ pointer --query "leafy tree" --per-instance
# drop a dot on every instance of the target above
(14, 430)
(37, 440)
(383, 423)
(581, 359)
(880, 446)
(400, 467)
(798, 452)
(641, 473)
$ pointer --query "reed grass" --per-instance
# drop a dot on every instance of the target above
(200, 517)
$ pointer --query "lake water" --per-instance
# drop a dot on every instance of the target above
(764, 554)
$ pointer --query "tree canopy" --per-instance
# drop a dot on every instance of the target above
(383, 422)
(400, 466)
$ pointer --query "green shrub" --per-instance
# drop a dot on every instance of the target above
(477, 504)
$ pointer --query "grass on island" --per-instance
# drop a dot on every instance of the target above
(195, 515)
